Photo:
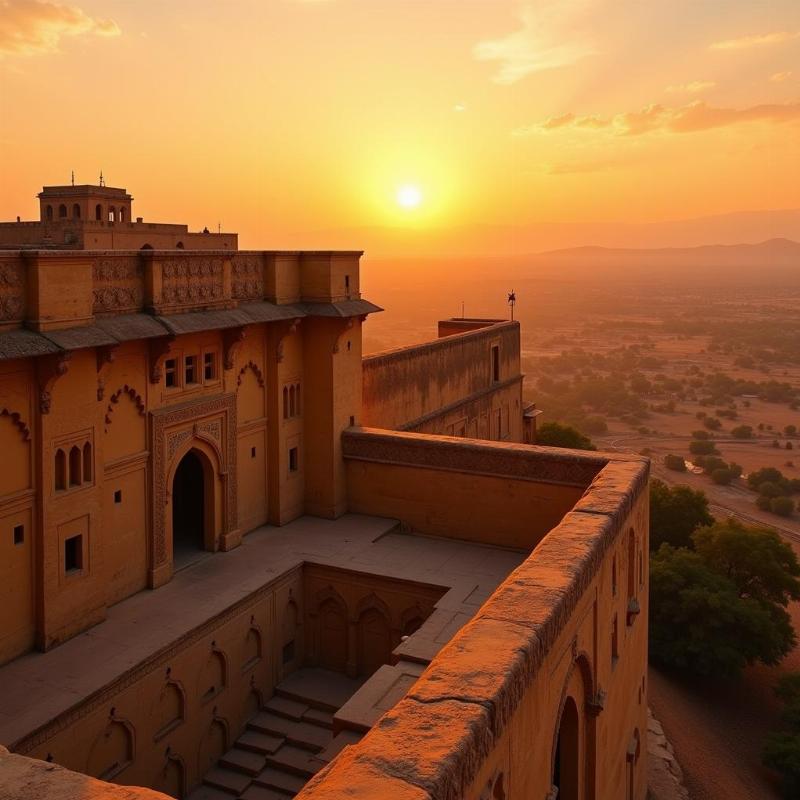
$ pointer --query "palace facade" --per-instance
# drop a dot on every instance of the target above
(242, 560)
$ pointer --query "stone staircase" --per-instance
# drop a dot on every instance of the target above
(286, 743)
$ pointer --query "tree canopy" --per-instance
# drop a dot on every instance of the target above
(553, 434)
(675, 513)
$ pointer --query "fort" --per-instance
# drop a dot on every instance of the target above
(240, 559)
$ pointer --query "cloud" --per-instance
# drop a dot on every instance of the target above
(28, 27)
(694, 87)
(779, 77)
(657, 118)
(552, 35)
(759, 40)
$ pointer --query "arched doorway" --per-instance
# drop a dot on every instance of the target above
(566, 765)
(188, 510)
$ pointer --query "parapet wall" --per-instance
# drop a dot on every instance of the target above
(450, 381)
(503, 494)
(543, 693)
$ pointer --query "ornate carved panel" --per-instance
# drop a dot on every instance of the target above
(192, 280)
(248, 277)
(12, 292)
(212, 420)
(118, 283)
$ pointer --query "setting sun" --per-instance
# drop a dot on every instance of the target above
(409, 196)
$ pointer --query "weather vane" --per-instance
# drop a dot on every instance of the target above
(512, 299)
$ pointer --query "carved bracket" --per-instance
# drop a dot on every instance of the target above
(232, 339)
(50, 369)
(285, 329)
(158, 347)
(104, 355)
(596, 703)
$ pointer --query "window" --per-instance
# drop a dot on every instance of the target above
(112, 214)
(495, 363)
(209, 366)
(347, 284)
(293, 460)
(73, 554)
(19, 534)
(614, 642)
(76, 211)
(291, 401)
(75, 466)
(118, 496)
(61, 470)
(98, 212)
(87, 463)
(122, 215)
(62, 211)
(190, 370)
(49, 212)
(252, 452)
(171, 372)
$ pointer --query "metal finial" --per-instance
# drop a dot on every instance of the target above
(512, 299)
(73, 177)
(102, 182)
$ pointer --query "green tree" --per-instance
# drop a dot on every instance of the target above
(699, 623)
(675, 513)
(742, 432)
(702, 447)
(553, 434)
(722, 476)
(674, 462)
(782, 748)
(782, 506)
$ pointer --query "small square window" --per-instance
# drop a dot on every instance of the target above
(252, 452)
(293, 461)
(209, 366)
(19, 534)
(190, 369)
(118, 496)
(73, 554)
(171, 372)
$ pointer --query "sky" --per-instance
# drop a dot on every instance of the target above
(304, 120)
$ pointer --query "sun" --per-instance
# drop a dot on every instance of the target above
(409, 196)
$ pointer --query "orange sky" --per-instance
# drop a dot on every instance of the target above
(282, 117)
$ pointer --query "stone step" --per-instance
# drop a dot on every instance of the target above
(244, 761)
(271, 778)
(286, 707)
(259, 742)
(338, 743)
(262, 793)
(316, 716)
(226, 779)
(301, 734)
(208, 793)
(295, 760)
(318, 688)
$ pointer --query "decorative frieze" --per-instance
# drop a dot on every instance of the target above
(248, 277)
(192, 280)
(117, 284)
(12, 292)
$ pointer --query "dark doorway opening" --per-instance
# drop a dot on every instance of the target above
(567, 761)
(188, 511)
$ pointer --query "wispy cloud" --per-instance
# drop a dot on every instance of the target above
(28, 27)
(758, 40)
(779, 77)
(694, 87)
(656, 118)
(552, 34)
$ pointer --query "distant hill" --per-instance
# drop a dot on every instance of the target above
(773, 257)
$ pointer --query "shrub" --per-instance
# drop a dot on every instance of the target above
(769, 489)
(782, 506)
(702, 447)
(722, 476)
(553, 434)
(764, 503)
(674, 462)
(701, 435)
(712, 423)
(742, 432)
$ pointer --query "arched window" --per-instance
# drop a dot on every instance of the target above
(112, 214)
(87, 462)
(566, 766)
(631, 564)
(122, 215)
(76, 211)
(286, 402)
(61, 470)
(179, 245)
(291, 401)
(49, 212)
(297, 399)
(75, 466)
(98, 212)
(146, 246)
(62, 210)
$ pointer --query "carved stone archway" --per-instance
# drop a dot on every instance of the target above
(207, 425)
